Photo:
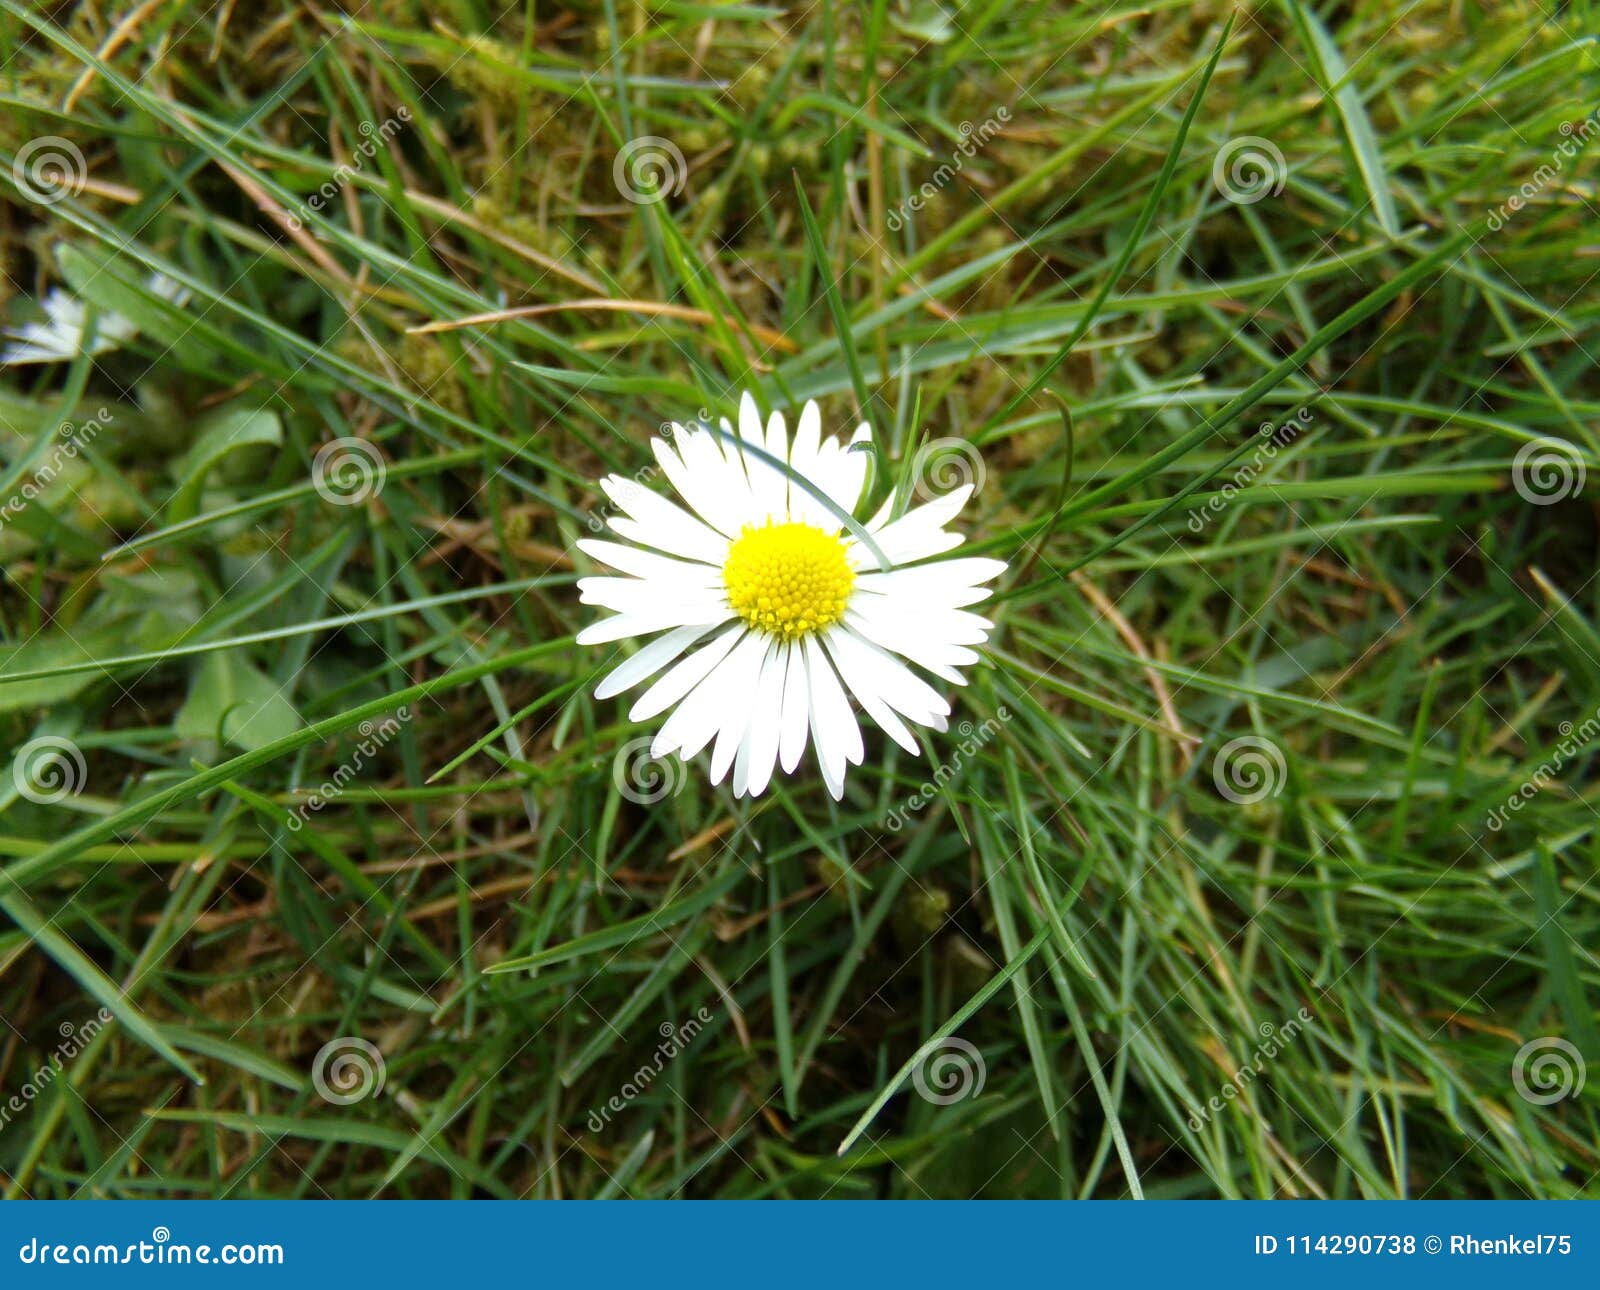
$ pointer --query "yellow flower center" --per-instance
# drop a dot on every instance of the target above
(788, 579)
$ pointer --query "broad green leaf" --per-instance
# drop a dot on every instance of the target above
(233, 701)
(221, 435)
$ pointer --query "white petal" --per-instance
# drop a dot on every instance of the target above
(705, 492)
(877, 678)
(639, 563)
(950, 582)
(727, 443)
(778, 436)
(740, 699)
(621, 626)
(648, 661)
(59, 336)
(804, 505)
(684, 676)
(924, 596)
(935, 513)
(861, 680)
(710, 549)
(934, 655)
(844, 471)
(778, 446)
(653, 521)
(766, 720)
(769, 486)
(692, 723)
(807, 439)
(796, 710)
(646, 595)
(750, 420)
(722, 465)
(920, 532)
(936, 625)
(834, 732)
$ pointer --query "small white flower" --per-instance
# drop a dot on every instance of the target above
(780, 613)
(58, 336)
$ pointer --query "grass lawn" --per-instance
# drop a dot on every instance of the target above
(1259, 856)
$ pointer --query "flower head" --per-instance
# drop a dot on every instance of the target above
(769, 614)
(59, 335)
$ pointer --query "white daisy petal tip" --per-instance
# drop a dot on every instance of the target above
(737, 588)
(749, 418)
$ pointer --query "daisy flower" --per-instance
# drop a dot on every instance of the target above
(768, 615)
(58, 336)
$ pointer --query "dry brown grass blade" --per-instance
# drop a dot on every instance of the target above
(650, 308)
